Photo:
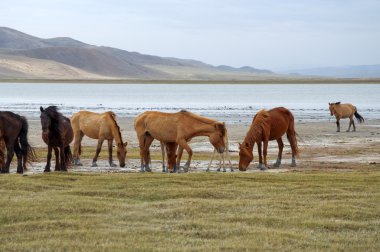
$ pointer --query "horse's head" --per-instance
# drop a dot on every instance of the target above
(217, 137)
(122, 153)
(171, 152)
(45, 120)
(332, 107)
(245, 156)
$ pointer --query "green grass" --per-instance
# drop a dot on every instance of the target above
(204, 211)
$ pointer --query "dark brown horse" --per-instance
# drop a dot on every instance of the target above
(267, 126)
(14, 134)
(57, 134)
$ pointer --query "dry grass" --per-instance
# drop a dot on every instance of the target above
(203, 211)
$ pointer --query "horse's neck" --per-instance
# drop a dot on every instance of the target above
(203, 129)
(254, 135)
(116, 133)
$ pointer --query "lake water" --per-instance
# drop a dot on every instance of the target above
(233, 103)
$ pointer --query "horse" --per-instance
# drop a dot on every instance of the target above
(267, 126)
(14, 135)
(101, 126)
(346, 110)
(171, 151)
(178, 127)
(57, 134)
(221, 156)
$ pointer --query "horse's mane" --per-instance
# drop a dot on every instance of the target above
(113, 116)
(197, 117)
(52, 112)
(258, 125)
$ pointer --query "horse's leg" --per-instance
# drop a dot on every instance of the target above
(265, 152)
(353, 124)
(162, 144)
(78, 136)
(189, 151)
(349, 125)
(222, 162)
(179, 156)
(110, 161)
(63, 158)
(141, 146)
(279, 156)
(10, 153)
(18, 152)
(261, 166)
(212, 158)
(57, 159)
(98, 149)
(48, 159)
(337, 125)
(148, 141)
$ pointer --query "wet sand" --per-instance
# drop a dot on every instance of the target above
(321, 147)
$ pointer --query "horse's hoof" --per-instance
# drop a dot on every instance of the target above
(218, 169)
(262, 167)
(113, 165)
(293, 165)
(94, 165)
(232, 170)
(147, 169)
(224, 170)
(47, 170)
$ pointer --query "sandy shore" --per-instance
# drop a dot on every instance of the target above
(321, 147)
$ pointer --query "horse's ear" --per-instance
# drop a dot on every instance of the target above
(41, 109)
(125, 144)
(337, 103)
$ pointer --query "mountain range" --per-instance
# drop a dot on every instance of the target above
(23, 56)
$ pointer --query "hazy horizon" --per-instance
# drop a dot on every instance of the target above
(275, 35)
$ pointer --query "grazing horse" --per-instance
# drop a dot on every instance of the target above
(57, 134)
(98, 126)
(345, 111)
(178, 127)
(14, 139)
(221, 158)
(267, 126)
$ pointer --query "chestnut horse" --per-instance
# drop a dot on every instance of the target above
(178, 127)
(57, 134)
(267, 126)
(347, 110)
(98, 126)
(14, 139)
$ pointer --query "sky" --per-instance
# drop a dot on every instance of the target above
(272, 34)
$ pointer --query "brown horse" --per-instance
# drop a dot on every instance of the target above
(267, 126)
(347, 110)
(178, 127)
(98, 126)
(14, 135)
(221, 157)
(57, 134)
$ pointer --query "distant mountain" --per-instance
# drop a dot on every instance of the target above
(246, 69)
(26, 56)
(363, 71)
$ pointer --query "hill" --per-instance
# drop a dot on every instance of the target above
(71, 58)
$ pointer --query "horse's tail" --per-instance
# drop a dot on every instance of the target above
(27, 151)
(358, 117)
(292, 135)
(68, 155)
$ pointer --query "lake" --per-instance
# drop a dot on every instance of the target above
(234, 103)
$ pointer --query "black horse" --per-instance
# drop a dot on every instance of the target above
(14, 134)
(58, 134)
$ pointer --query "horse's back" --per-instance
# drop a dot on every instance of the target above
(88, 122)
(281, 119)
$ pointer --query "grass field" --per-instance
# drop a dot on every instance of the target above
(308, 211)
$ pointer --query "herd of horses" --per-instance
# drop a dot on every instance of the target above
(173, 130)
